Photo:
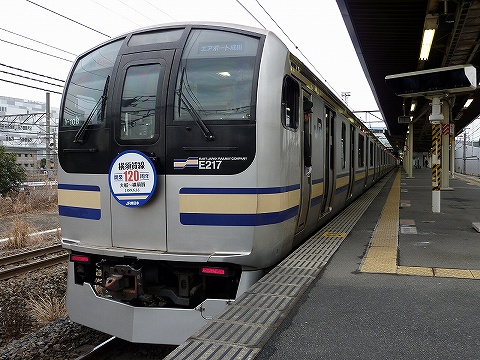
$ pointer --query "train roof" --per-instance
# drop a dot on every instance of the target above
(212, 24)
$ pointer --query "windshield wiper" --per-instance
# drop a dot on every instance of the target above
(193, 112)
(101, 103)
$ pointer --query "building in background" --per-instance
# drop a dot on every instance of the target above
(26, 131)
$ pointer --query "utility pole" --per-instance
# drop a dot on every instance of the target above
(345, 96)
(47, 135)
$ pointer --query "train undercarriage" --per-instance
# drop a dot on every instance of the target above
(156, 283)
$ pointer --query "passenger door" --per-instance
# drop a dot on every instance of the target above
(351, 165)
(329, 178)
(306, 181)
(139, 127)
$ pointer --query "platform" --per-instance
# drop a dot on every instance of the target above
(398, 281)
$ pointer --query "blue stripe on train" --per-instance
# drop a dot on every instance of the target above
(79, 212)
(238, 219)
(271, 190)
(78, 187)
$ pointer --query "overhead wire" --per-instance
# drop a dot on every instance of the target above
(253, 16)
(289, 39)
(29, 78)
(116, 13)
(31, 72)
(37, 41)
(65, 17)
(30, 86)
(41, 52)
(163, 12)
(138, 12)
(55, 56)
(296, 47)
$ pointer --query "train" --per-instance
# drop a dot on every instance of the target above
(183, 173)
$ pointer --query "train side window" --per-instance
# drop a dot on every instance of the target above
(371, 153)
(344, 145)
(290, 96)
(138, 102)
(361, 150)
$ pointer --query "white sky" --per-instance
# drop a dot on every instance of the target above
(315, 26)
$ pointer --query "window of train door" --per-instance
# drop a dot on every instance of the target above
(352, 160)
(306, 181)
(371, 158)
(329, 178)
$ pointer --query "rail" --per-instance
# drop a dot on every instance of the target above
(52, 257)
(103, 350)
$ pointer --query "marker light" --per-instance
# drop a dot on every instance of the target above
(80, 258)
(213, 271)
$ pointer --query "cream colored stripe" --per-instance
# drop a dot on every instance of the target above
(78, 198)
(343, 181)
(238, 203)
(359, 176)
(317, 190)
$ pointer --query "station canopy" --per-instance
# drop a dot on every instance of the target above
(387, 36)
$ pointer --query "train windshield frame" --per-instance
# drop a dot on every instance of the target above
(87, 86)
(216, 81)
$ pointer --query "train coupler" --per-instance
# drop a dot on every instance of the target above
(123, 282)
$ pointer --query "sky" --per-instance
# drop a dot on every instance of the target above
(315, 27)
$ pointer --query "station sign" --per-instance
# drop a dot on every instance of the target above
(450, 79)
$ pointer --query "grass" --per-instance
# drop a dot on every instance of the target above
(38, 199)
(19, 238)
(20, 311)
(45, 310)
(16, 206)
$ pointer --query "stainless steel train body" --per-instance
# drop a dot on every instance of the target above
(181, 174)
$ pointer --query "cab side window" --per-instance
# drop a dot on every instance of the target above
(290, 103)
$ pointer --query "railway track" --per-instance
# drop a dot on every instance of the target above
(103, 351)
(18, 264)
(118, 349)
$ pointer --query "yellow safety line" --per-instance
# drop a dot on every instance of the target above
(381, 255)
(471, 181)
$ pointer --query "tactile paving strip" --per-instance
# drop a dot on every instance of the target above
(241, 330)
(381, 255)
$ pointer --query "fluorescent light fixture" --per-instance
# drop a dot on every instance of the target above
(224, 74)
(467, 103)
(413, 106)
(427, 40)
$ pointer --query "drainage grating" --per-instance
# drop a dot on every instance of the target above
(241, 330)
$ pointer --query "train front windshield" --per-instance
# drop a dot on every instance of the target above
(133, 94)
(216, 76)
